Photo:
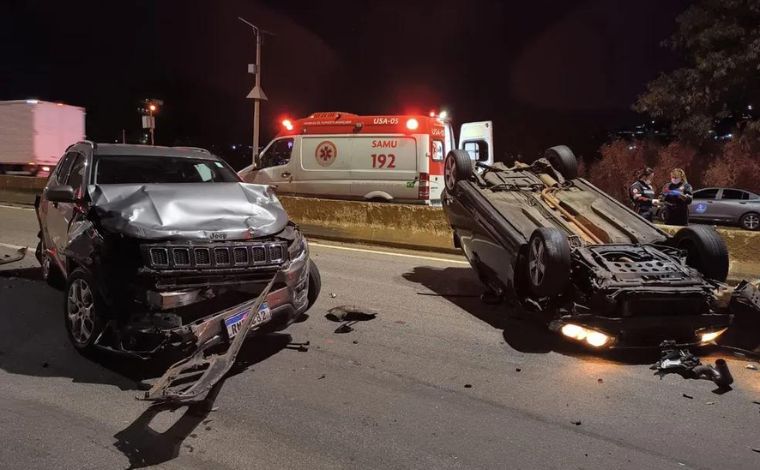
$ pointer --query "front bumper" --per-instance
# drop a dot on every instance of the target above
(647, 331)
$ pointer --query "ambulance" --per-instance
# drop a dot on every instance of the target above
(375, 158)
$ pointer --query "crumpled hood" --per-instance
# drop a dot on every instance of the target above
(198, 211)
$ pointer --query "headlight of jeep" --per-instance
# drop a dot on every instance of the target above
(297, 246)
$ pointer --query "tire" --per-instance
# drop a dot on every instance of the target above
(49, 271)
(563, 160)
(82, 311)
(457, 167)
(750, 221)
(548, 262)
(705, 251)
(315, 284)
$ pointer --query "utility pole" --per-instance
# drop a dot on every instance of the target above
(257, 94)
(123, 136)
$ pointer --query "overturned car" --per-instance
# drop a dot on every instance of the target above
(165, 247)
(586, 264)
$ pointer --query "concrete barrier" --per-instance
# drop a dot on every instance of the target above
(398, 225)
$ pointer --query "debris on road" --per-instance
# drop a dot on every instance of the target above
(321, 377)
(17, 256)
(333, 295)
(576, 422)
(687, 396)
(467, 385)
(710, 403)
(682, 362)
(751, 367)
(348, 316)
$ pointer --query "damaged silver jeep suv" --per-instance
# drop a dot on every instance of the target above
(165, 247)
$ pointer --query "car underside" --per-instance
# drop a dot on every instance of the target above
(583, 262)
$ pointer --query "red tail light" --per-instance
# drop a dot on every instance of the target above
(424, 187)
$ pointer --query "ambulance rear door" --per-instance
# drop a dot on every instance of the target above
(477, 139)
(384, 167)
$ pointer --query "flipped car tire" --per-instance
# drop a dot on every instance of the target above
(315, 284)
(548, 261)
(563, 160)
(750, 221)
(457, 167)
(82, 311)
(705, 251)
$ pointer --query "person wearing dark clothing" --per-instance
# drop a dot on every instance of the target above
(677, 196)
(642, 194)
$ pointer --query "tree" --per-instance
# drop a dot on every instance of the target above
(720, 44)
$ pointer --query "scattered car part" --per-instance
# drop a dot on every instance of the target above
(191, 379)
(348, 316)
(676, 360)
(17, 256)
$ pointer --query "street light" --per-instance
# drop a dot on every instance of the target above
(257, 94)
(150, 106)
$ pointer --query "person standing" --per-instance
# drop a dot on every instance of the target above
(642, 194)
(677, 196)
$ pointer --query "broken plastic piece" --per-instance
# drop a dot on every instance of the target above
(682, 362)
(17, 256)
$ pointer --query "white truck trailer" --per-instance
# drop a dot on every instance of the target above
(34, 135)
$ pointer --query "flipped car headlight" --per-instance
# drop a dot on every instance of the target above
(593, 338)
(710, 336)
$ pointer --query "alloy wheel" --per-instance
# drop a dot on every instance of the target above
(80, 306)
(450, 173)
(536, 263)
(751, 221)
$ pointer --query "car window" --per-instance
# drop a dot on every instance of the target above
(277, 154)
(711, 193)
(734, 194)
(478, 149)
(144, 169)
(77, 172)
(438, 150)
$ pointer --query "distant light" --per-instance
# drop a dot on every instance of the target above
(287, 124)
(749, 106)
(653, 121)
(432, 113)
(32, 101)
(412, 124)
(152, 107)
(45, 168)
(59, 104)
(729, 136)
(443, 115)
(234, 146)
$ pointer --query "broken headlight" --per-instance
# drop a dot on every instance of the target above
(297, 245)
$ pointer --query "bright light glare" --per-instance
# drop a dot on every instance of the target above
(152, 107)
(597, 339)
(443, 115)
(32, 101)
(574, 331)
(412, 124)
(45, 168)
(711, 336)
(287, 124)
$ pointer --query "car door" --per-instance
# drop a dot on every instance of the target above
(275, 166)
(51, 224)
(733, 204)
(477, 139)
(703, 205)
(60, 214)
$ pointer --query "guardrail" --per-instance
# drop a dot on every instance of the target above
(398, 225)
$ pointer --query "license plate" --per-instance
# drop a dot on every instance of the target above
(235, 322)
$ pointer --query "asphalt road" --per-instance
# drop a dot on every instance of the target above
(436, 380)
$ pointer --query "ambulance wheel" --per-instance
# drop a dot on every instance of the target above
(563, 160)
(457, 167)
(548, 262)
(705, 250)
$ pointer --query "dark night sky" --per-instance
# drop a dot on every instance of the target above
(546, 72)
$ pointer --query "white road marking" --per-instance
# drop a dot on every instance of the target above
(13, 247)
(389, 253)
(17, 207)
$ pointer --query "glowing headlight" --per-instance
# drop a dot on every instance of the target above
(710, 336)
(593, 338)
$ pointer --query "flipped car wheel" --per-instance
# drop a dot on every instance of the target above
(548, 261)
(563, 160)
(457, 167)
(750, 221)
(705, 251)
(315, 283)
(82, 311)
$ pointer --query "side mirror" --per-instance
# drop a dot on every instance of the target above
(60, 194)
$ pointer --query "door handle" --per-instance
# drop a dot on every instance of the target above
(285, 174)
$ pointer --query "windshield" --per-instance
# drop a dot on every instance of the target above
(136, 169)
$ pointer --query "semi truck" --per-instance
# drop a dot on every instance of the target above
(34, 134)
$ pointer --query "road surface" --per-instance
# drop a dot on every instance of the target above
(436, 380)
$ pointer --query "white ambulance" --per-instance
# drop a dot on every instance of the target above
(376, 158)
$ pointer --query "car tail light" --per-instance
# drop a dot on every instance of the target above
(424, 188)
